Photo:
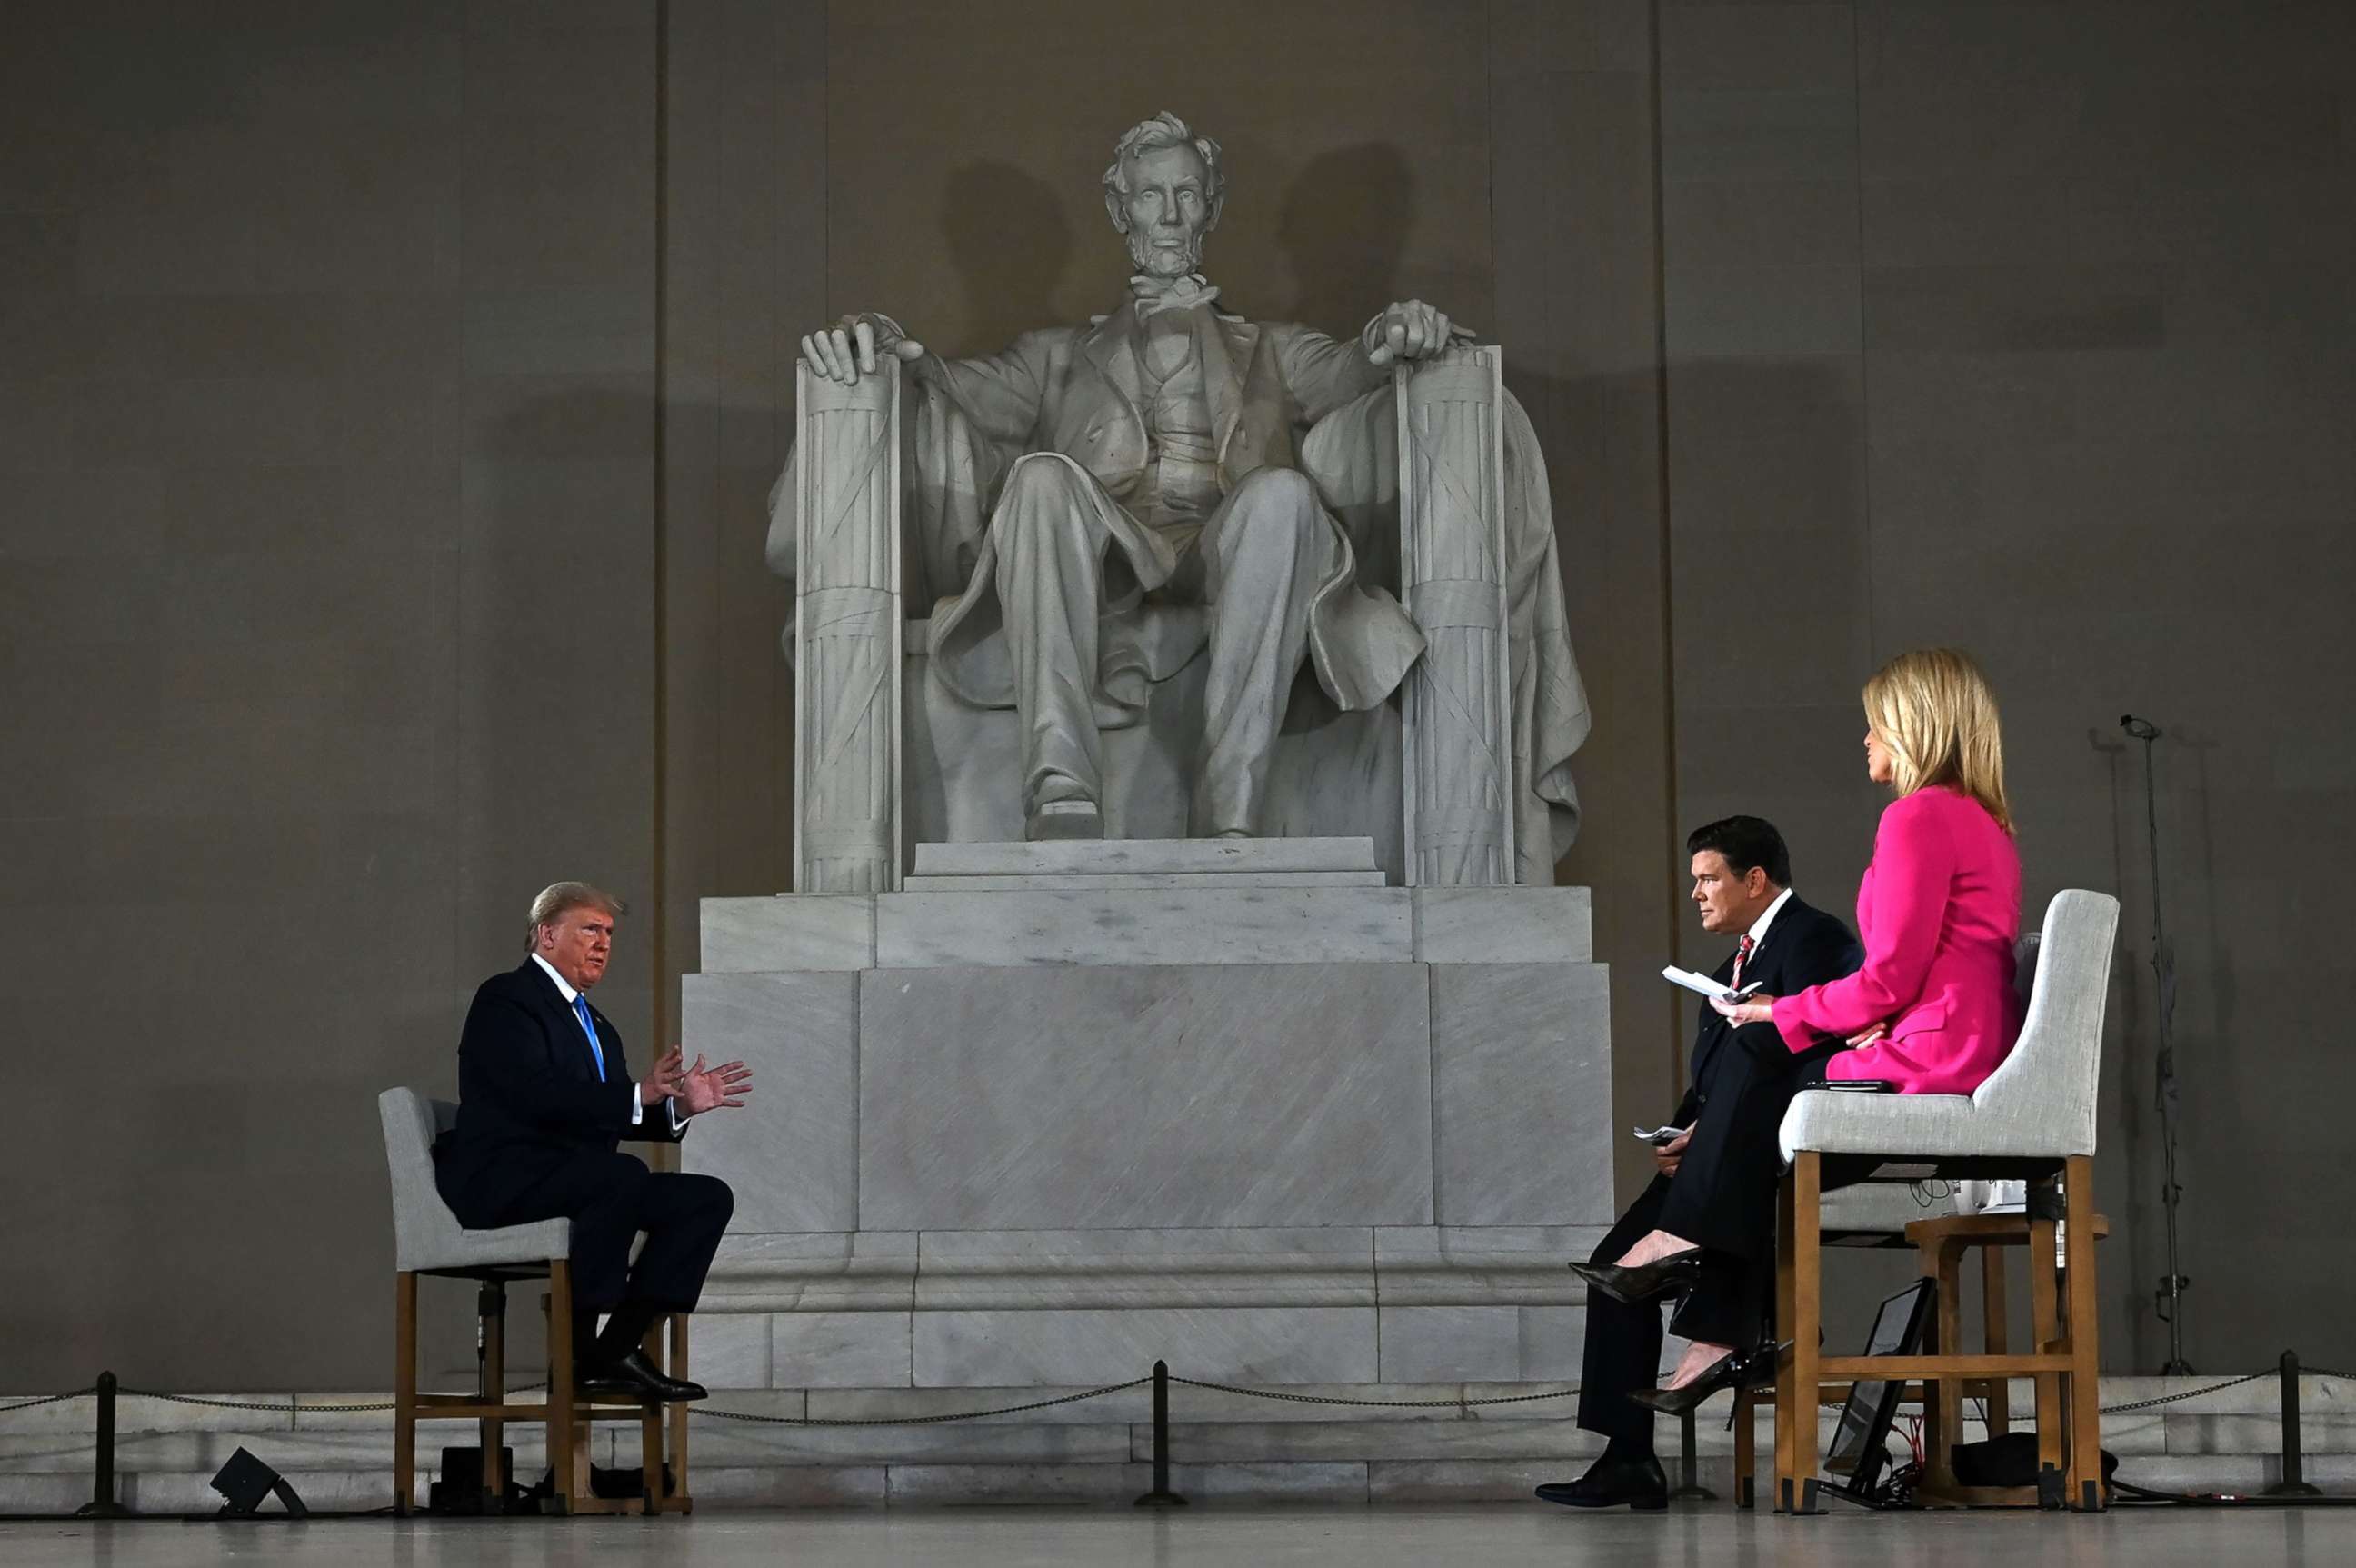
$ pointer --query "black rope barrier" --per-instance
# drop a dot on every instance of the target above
(914, 1420)
(1459, 1404)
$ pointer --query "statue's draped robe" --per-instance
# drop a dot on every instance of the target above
(1282, 395)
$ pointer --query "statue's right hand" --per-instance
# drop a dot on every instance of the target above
(847, 348)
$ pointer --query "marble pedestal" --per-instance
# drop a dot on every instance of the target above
(1056, 1112)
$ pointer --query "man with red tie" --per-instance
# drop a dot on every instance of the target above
(544, 1095)
(1704, 1228)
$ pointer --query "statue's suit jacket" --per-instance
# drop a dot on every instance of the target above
(1079, 391)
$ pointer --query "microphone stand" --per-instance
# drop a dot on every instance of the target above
(2169, 1299)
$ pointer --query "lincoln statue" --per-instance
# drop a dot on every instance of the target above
(1077, 485)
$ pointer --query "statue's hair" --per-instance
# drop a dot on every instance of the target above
(1164, 130)
(561, 898)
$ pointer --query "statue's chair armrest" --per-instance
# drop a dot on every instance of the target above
(847, 632)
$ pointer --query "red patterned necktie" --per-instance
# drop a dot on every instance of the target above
(1741, 956)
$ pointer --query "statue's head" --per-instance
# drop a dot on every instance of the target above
(1164, 192)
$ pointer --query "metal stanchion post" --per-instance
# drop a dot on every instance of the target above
(1161, 1495)
(2294, 1482)
(101, 1504)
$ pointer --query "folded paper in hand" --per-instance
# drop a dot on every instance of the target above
(1703, 985)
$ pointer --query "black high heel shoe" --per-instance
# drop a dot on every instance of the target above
(1738, 1369)
(1677, 1273)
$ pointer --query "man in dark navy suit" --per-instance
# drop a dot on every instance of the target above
(544, 1095)
(1706, 1223)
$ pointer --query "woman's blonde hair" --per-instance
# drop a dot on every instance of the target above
(1934, 712)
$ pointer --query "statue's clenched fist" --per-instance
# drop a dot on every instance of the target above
(848, 349)
(1409, 330)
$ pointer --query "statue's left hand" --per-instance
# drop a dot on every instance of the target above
(1410, 331)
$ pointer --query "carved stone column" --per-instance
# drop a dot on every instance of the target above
(847, 634)
(1456, 751)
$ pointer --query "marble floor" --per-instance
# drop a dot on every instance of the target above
(1471, 1537)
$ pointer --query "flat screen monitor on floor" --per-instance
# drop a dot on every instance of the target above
(1859, 1441)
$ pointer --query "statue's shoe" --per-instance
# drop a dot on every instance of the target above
(1065, 820)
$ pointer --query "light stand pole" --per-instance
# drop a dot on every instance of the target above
(2169, 1299)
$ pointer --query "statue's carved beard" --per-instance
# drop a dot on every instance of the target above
(1173, 262)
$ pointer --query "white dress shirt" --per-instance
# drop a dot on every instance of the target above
(637, 1111)
(1758, 932)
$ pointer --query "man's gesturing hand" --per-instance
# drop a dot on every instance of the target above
(710, 1088)
(664, 1080)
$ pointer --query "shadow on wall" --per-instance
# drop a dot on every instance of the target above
(1346, 221)
(1010, 240)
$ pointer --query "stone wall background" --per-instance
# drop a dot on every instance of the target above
(388, 392)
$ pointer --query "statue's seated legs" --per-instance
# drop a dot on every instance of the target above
(1258, 562)
(1052, 539)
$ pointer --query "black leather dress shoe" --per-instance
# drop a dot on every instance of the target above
(1677, 1273)
(635, 1377)
(1611, 1483)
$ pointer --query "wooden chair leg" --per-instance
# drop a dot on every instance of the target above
(2045, 1329)
(405, 1391)
(1793, 1489)
(1787, 1311)
(679, 1498)
(493, 1429)
(1996, 1393)
(2080, 1326)
(568, 1480)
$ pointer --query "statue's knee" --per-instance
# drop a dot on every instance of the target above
(1274, 506)
(1044, 499)
(1040, 476)
(1288, 488)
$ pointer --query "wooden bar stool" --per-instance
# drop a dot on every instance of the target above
(2032, 1119)
(428, 1240)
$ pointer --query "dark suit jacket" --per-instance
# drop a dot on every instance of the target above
(528, 1095)
(1804, 946)
(1723, 1195)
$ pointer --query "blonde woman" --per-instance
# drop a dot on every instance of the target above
(1932, 1011)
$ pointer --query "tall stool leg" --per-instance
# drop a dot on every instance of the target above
(405, 1391)
(2085, 1372)
(566, 1477)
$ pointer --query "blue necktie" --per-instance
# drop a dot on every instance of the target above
(581, 1010)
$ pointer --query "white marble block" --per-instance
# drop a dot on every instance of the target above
(1239, 926)
(791, 1152)
(792, 930)
(1521, 1074)
(1165, 1096)
(1060, 1111)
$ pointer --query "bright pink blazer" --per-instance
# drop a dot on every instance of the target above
(1939, 912)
